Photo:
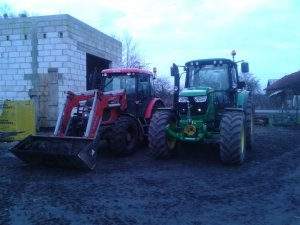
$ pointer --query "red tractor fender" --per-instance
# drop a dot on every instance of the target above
(152, 103)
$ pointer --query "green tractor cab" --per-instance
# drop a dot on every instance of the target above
(212, 107)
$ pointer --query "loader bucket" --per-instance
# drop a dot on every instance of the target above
(74, 152)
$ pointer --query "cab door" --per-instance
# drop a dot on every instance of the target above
(143, 93)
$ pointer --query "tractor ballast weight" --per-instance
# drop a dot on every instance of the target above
(116, 113)
(213, 107)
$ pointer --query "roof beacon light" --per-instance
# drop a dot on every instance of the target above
(233, 53)
(154, 72)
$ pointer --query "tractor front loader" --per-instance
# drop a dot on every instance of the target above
(72, 146)
(118, 112)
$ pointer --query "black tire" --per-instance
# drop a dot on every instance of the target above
(123, 139)
(161, 145)
(232, 138)
(249, 123)
(155, 107)
(145, 139)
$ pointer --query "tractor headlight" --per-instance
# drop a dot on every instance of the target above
(86, 114)
(183, 99)
(200, 98)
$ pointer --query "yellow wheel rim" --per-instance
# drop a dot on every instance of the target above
(243, 140)
(189, 130)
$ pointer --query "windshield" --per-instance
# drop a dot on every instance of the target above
(212, 76)
(117, 82)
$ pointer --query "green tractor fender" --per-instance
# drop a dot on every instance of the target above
(242, 99)
(244, 104)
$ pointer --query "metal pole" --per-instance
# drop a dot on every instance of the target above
(91, 117)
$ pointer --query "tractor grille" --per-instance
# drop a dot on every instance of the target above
(197, 108)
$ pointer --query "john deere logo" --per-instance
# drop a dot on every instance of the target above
(189, 130)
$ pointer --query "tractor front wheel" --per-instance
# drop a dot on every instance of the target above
(161, 145)
(124, 136)
(232, 138)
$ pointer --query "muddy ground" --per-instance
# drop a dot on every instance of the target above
(195, 188)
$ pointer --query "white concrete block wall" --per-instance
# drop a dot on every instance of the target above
(72, 69)
(55, 51)
(56, 41)
(15, 61)
(103, 45)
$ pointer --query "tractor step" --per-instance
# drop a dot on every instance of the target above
(74, 152)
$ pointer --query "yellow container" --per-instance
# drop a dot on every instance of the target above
(17, 116)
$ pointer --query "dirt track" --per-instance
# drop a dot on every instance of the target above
(195, 188)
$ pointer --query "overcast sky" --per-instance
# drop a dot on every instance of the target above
(265, 33)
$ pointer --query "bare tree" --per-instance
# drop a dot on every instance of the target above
(23, 13)
(252, 83)
(130, 55)
(6, 11)
(164, 89)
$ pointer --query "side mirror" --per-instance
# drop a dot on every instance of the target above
(241, 84)
(174, 70)
(244, 67)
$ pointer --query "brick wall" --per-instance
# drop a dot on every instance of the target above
(15, 60)
(29, 47)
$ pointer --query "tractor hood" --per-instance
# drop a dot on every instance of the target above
(199, 91)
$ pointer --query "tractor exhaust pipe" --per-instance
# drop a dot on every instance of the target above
(176, 75)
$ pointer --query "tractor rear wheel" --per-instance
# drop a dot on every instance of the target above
(161, 145)
(249, 123)
(232, 138)
(124, 136)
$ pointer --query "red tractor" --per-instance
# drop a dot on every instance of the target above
(118, 110)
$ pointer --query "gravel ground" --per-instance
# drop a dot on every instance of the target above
(194, 188)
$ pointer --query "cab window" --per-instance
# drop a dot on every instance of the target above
(234, 77)
(212, 76)
(143, 85)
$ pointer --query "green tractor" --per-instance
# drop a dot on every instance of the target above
(213, 107)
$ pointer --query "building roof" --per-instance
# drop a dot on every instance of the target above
(271, 81)
(288, 82)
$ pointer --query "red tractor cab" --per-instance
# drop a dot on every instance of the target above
(138, 85)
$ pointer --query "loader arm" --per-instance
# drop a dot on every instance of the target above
(71, 151)
(72, 101)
